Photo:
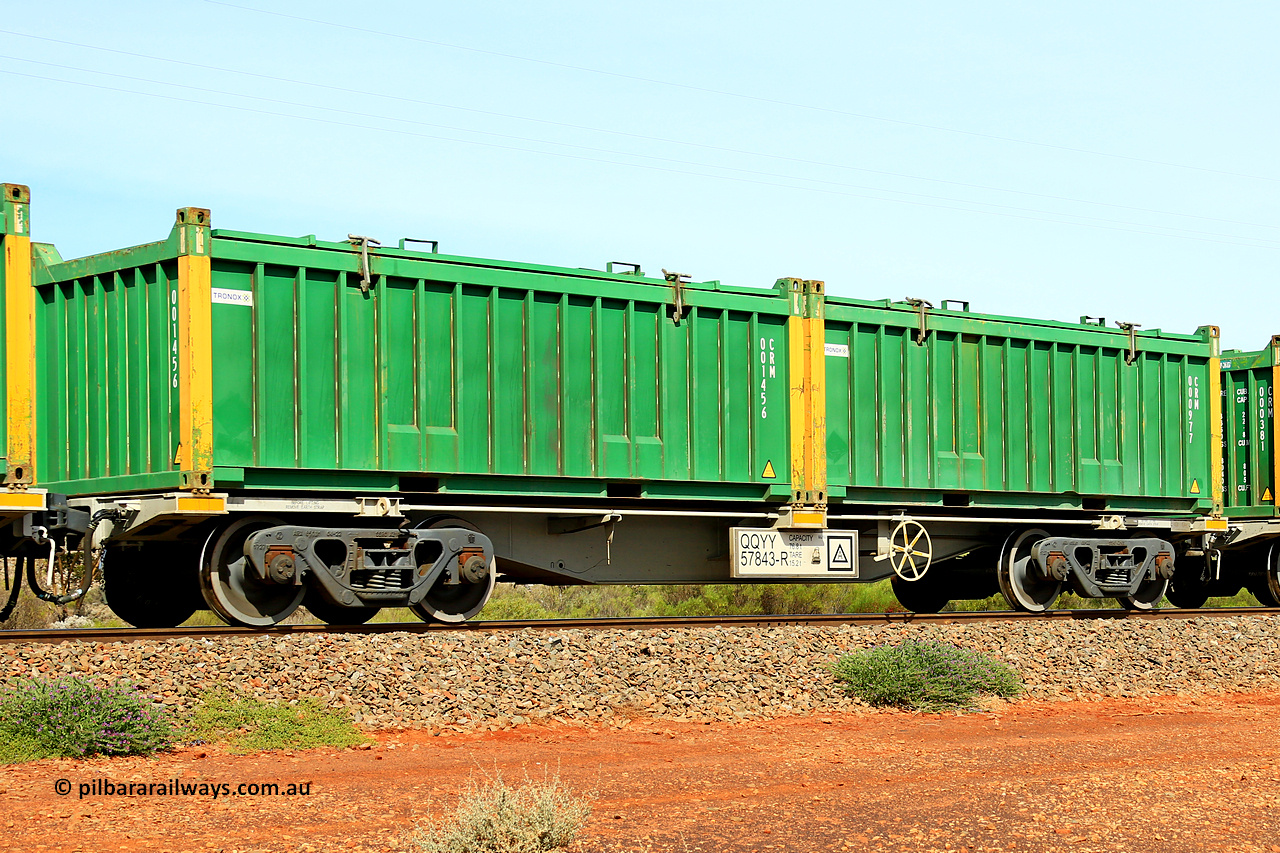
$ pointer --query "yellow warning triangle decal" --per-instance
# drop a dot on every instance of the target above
(1266, 494)
(768, 471)
(1195, 487)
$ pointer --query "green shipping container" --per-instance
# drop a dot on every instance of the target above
(1248, 431)
(403, 370)
(273, 363)
(952, 408)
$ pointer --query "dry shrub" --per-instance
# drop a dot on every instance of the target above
(495, 817)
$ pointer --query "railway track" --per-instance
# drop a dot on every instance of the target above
(125, 635)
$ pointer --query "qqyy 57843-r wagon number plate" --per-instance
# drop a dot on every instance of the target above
(792, 552)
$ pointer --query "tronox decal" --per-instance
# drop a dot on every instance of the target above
(222, 296)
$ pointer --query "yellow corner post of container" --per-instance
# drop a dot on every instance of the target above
(195, 348)
(1217, 471)
(796, 370)
(807, 377)
(1275, 420)
(20, 351)
(816, 440)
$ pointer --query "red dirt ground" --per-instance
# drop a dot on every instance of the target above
(1166, 774)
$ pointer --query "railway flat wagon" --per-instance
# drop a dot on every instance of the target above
(252, 421)
(247, 423)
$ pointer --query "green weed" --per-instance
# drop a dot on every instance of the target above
(549, 602)
(17, 747)
(251, 725)
(546, 602)
(72, 717)
(924, 675)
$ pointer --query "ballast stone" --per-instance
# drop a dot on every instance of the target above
(697, 673)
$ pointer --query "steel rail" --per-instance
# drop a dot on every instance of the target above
(125, 635)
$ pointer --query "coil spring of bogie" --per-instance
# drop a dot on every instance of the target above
(374, 579)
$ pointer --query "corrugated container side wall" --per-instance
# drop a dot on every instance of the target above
(1248, 431)
(449, 367)
(1001, 406)
(459, 368)
(108, 377)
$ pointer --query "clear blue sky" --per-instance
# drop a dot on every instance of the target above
(1048, 160)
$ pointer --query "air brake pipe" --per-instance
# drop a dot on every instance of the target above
(13, 591)
(87, 546)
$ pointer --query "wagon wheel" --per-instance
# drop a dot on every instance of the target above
(457, 602)
(1150, 591)
(1189, 587)
(232, 588)
(155, 586)
(1025, 587)
(926, 596)
(332, 614)
(910, 550)
(454, 603)
(1267, 588)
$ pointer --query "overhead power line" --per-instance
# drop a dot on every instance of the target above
(1138, 229)
(611, 131)
(740, 95)
(616, 152)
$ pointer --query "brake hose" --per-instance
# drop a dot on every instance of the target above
(13, 590)
(87, 546)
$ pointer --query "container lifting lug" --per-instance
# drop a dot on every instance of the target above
(364, 243)
(922, 307)
(434, 244)
(678, 281)
(1131, 328)
(634, 268)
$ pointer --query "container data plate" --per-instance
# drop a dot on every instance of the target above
(793, 552)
